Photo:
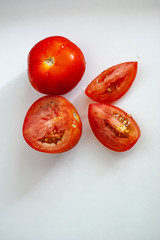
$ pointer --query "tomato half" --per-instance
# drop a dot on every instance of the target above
(52, 125)
(113, 127)
(55, 65)
(112, 83)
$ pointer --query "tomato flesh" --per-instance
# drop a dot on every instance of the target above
(55, 65)
(112, 83)
(113, 127)
(52, 124)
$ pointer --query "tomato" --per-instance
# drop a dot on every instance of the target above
(113, 127)
(55, 65)
(112, 83)
(52, 125)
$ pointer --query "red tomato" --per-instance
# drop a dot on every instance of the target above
(52, 125)
(113, 127)
(55, 65)
(113, 83)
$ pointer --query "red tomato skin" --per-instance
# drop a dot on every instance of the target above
(67, 69)
(113, 83)
(33, 124)
(107, 138)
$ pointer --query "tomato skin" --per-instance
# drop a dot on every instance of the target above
(112, 83)
(113, 127)
(60, 75)
(52, 125)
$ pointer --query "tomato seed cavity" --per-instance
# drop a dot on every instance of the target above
(122, 119)
(121, 131)
(115, 131)
(53, 137)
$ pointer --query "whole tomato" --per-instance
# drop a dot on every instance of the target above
(55, 65)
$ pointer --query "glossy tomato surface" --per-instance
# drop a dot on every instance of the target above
(55, 65)
(113, 127)
(52, 125)
(112, 83)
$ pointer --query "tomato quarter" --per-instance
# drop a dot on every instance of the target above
(112, 83)
(52, 125)
(55, 65)
(113, 127)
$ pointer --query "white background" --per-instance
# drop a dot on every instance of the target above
(89, 192)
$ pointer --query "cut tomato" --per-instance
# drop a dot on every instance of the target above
(52, 125)
(112, 83)
(113, 127)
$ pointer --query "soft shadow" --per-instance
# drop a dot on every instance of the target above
(22, 168)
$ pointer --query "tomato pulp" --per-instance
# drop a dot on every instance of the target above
(52, 125)
(113, 127)
(112, 83)
(55, 65)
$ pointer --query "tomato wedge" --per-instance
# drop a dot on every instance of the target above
(113, 127)
(112, 83)
(52, 125)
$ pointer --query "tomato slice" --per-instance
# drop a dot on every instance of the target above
(112, 83)
(52, 125)
(113, 127)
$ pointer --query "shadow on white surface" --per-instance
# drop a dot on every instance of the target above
(23, 168)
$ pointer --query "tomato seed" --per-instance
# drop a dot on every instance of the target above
(109, 90)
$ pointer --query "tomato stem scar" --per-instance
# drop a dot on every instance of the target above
(49, 61)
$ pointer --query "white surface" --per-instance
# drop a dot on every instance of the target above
(90, 192)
